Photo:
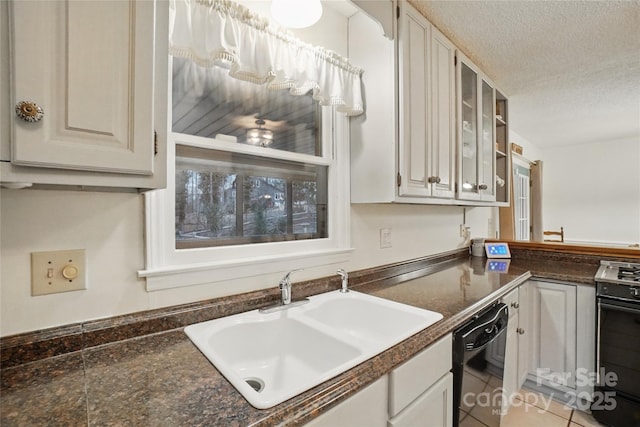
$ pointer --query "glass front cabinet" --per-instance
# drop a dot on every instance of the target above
(476, 133)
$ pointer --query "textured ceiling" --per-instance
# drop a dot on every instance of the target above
(571, 69)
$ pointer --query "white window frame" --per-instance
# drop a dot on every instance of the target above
(167, 267)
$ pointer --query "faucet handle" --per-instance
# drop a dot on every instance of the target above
(286, 280)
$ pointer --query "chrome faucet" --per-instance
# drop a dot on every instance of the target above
(285, 288)
(345, 280)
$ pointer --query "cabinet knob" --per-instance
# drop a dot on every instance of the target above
(434, 180)
(515, 305)
(29, 111)
(482, 186)
(520, 331)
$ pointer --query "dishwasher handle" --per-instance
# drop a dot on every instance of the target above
(482, 334)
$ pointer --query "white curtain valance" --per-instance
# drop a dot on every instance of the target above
(224, 33)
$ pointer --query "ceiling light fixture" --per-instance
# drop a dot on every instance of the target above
(259, 136)
(296, 13)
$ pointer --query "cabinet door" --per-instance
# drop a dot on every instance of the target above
(443, 116)
(554, 333)
(414, 34)
(368, 408)
(415, 376)
(89, 65)
(467, 82)
(433, 408)
(487, 158)
(476, 130)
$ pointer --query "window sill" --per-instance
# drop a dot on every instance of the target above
(178, 276)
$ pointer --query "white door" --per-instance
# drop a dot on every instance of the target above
(521, 202)
(89, 66)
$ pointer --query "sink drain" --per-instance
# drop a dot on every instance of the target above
(256, 383)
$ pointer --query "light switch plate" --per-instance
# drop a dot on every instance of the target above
(385, 238)
(58, 271)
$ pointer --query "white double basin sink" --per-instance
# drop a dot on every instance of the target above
(271, 357)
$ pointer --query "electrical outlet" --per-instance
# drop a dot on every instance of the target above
(58, 271)
(385, 238)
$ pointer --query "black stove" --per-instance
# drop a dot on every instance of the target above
(618, 344)
(619, 280)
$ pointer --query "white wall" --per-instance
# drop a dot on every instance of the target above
(593, 191)
(110, 227)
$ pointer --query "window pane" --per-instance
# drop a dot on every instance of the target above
(209, 103)
(205, 204)
(265, 207)
(225, 198)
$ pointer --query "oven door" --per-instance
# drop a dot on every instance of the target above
(617, 395)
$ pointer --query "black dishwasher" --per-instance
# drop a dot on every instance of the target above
(478, 366)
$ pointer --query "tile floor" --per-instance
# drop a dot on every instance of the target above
(532, 409)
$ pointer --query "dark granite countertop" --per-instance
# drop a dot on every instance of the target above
(163, 380)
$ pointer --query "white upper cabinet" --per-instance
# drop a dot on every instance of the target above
(429, 131)
(403, 148)
(476, 133)
(90, 67)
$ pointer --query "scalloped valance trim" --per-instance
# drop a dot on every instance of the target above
(226, 34)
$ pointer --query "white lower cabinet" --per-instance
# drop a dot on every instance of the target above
(563, 337)
(415, 376)
(366, 408)
(418, 390)
(422, 388)
(434, 407)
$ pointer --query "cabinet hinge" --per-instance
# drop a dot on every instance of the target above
(399, 179)
(155, 143)
(397, 12)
